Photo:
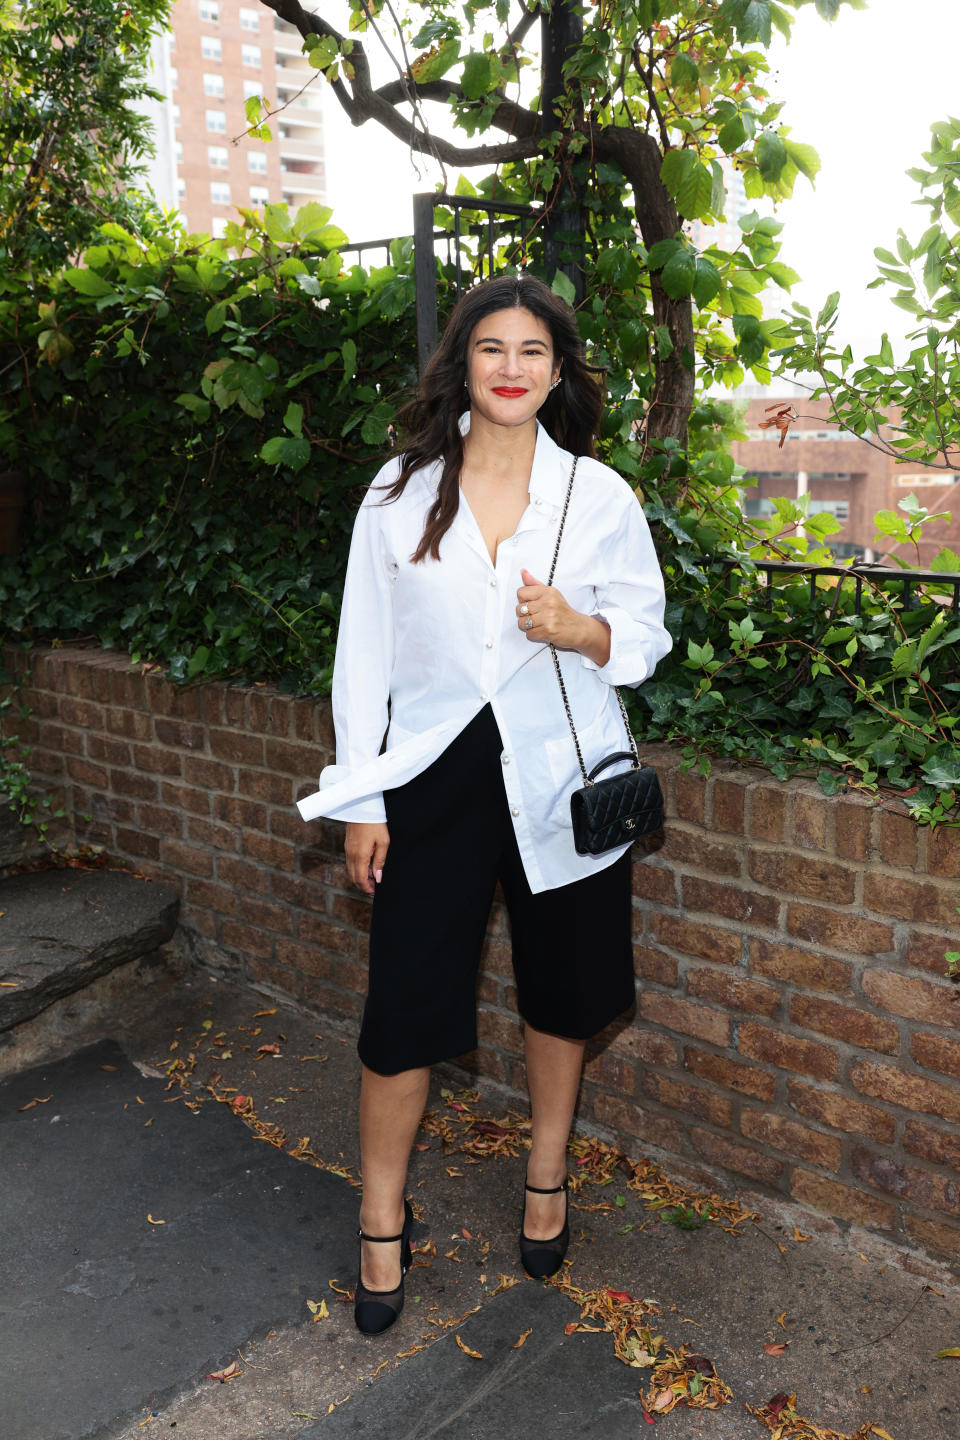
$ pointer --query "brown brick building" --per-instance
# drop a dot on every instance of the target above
(844, 475)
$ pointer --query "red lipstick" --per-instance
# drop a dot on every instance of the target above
(509, 392)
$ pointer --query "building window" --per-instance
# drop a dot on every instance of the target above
(219, 192)
(217, 120)
(210, 12)
(210, 47)
(259, 194)
(256, 162)
(839, 509)
(218, 227)
(249, 19)
(251, 55)
(178, 153)
(251, 88)
(217, 156)
(758, 509)
(176, 116)
(173, 77)
(181, 188)
(213, 85)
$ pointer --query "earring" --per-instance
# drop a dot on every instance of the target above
(555, 383)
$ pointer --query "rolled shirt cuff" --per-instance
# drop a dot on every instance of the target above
(627, 664)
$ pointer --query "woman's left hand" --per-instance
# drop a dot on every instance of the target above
(557, 623)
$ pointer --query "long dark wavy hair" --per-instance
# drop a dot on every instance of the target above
(431, 420)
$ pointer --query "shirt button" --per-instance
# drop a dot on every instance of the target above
(489, 644)
(484, 696)
(505, 759)
(514, 811)
(493, 584)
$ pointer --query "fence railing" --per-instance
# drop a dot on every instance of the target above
(886, 577)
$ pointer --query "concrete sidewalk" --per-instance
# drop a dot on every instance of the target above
(109, 1323)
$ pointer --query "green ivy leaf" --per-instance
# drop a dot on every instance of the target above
(771, 156)
(679, 274)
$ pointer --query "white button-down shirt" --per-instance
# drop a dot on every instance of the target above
(437, 641)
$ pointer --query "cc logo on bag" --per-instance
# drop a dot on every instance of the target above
(630, 824)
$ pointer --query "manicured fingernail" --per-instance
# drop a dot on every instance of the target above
(378, 876)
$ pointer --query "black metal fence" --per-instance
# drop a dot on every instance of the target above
(911, 583)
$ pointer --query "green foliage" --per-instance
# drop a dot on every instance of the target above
(16, 784)
(71, 135)
(197, 424)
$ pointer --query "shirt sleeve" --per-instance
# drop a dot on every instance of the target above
(631, 601)
(364, 659)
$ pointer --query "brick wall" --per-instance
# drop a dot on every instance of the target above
(794, 1027)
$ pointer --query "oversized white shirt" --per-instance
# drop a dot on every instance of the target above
(422, 648)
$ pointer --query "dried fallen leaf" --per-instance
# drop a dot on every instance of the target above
(9, 984)
(268, 1049)
(37, 1100)
(571, 1327)
(799, 1236)
(952, 1354)
(522, 1341)
(108, 1067)
(465, 1233)
(229, 1372)
(258, 1013)
(474, 1354)
(318, 1309)
(777, 1349)
(781, 1319)
(155, 1222)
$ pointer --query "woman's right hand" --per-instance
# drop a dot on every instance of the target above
(366, 850)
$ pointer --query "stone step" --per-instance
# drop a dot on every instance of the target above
(62, 929)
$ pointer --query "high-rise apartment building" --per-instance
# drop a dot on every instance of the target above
(219, 54)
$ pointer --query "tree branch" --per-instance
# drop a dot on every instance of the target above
(508, 116)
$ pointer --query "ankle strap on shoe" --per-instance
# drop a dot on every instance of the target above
(379, 1239)
(535, 1189)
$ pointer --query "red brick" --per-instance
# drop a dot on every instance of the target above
(768, 812)
(794, 874)
(261, 972)
(235, 701)
(354, 910)
(105, 748)
(655, 965)
(82, 713)
(648, 1046)
(330, 999)
(854, 824)
(841, 1201)
(733, 901)
(634, 1123)
(246, 939)
(731, 1074)
(690, 1099)
(189, 858)
(908, 1182)
(306, 959)
(841, 1112)
(845, 1022)
(488, 990)
(129, 782)
(734, 991)
(233, 745)
(773, 1047)
(927, 951)
(811, 820)
(496, 957)
(135, 842)
(294, 890)
(178, 734)
(87, 774)
(728, 806)
(915, 999)
(693, 848)
(218, 837)
(288, 825)
(839, 931)
(800, 967)
(186, 797)
(780, 1134)
(654, 882)
(938, 1146)
(47, 763)
(132, 723)
(936, 1053)
(212, 704)
(279, 854)
(500, 1031)
(235, 811)
(326, 839)
(264, 785)
(208, 896)
(285, 758)
(691, 790)
(720, 1150)
(327, 936)
(159, 820)
(325, 871)
(242, 874)
(156, 760)
(266, 915)
(708, 942)
(912, 1092)
(610, 1070)
(933, 1234)
(943, 852)
(898, 840)
(688, 1017)
(907, 898)
(58, 737)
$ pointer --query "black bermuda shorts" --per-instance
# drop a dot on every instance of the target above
(451, 840)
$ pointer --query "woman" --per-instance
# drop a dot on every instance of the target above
(443, 646)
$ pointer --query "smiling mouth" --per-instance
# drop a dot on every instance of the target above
(509, 392)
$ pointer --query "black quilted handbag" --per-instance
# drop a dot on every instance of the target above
(628, 806)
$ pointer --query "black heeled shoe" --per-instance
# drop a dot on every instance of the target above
(375, 1310)
(543, 1258)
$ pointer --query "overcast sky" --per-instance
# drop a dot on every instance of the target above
(863, 91)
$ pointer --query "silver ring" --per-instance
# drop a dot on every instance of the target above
(524, 609)
(528, 624)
